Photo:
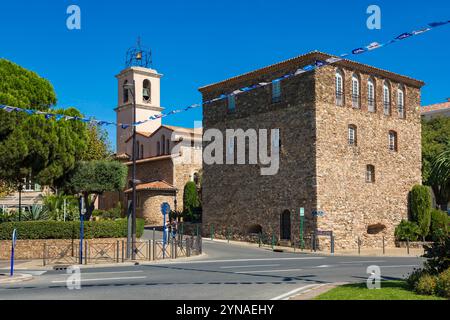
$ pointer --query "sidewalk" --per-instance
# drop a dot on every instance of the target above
(372, 252)
(18, 277)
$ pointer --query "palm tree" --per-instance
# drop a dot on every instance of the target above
(440, 177)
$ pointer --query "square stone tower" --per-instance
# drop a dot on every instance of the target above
(147, 86)
(350, 152)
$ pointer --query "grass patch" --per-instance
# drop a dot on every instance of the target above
(390, 290)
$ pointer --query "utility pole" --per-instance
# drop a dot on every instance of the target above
(131, 238)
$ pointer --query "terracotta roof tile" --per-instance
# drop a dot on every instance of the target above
(159, 185)
(435, 107)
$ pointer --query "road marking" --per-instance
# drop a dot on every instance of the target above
(251, 266)
(249, 260)
(101, 279)
(269, 271)
(323, 266)
(286, 295)
(400, 265)
(105, 272)
(373, 261)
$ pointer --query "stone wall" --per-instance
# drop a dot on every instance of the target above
(150, 206)
(318, 169)
(349, 202)
(238, 197)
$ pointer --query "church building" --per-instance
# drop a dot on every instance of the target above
(167, 156)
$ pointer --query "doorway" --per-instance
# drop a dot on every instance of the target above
(285, 225)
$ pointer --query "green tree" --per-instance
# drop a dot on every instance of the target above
(94, 178)
(440, 177)
(435, 140)
(98, 145)
(190, 198)
(33, 145)
(421, 208)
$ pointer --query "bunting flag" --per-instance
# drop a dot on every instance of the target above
(317, 64)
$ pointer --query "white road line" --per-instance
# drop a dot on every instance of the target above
(286, 295)
(324, 266)
(269, 271)
(105, 272)
(399, 266)
(102, 279)
(249, 260)
(251, 266)
(350, 262)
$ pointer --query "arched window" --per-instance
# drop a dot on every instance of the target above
(392, 140)
(163, 144)
(401, 101)
(146, 90)
(386, 98)
(125, 92)
(158, 148)
(352, 135)
(355, 91)
(370, 173)
(371, 95)
(339, 88)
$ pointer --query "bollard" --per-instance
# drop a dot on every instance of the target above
(85, 252)
(332, 244)
(149, 250)
(359, 246)
(312, 242)
(407, 245)
(212, 232)
(123, 251)
(273, 241)
(43, 254)
(117, 251)
(260, 239)
(197, 231)
(383, 246)
(229, 234)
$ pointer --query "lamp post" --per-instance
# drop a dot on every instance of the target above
(131, 239)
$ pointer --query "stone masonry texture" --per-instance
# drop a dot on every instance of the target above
(319, 170)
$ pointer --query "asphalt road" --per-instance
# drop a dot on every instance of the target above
(225, 272)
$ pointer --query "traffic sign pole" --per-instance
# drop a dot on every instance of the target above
(302, 217)
(13, 245)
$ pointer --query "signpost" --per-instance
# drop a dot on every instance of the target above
(165, 209)
(302, 217)
(13, 245)
(82, 212)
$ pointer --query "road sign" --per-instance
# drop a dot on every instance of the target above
(165, 208)
(13, 245)
(302, 212)
(302, 216)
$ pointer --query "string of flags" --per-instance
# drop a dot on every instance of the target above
(317, 64)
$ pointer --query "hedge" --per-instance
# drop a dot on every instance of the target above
(68, 229)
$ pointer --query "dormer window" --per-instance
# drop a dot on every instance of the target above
(146, 91)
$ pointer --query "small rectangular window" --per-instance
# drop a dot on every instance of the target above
(276, 91)
(370, 174)
(231, 103)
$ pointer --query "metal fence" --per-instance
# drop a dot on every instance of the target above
(115, 251)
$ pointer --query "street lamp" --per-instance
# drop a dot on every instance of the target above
(131, 239)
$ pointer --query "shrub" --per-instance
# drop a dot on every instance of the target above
(443, 284)
(439, 224)
(190, 198)
(407, 230)
(426, 284)
(68, 230)
(414, 278)
(421, 208)
(438, 256)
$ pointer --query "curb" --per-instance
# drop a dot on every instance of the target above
(315, 291)
(19, 277)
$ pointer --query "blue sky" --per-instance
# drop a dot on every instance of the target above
(197, 42)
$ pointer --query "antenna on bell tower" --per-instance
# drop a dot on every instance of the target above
(139, 56)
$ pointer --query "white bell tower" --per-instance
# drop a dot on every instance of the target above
(147, 87)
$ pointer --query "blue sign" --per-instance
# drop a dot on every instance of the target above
(165, 208)
(13, 245)
(318, 213)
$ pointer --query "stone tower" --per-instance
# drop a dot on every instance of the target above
(147, 86)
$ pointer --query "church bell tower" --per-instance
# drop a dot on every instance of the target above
(146, 82)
